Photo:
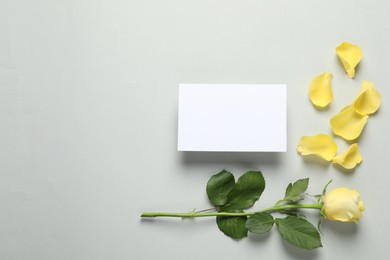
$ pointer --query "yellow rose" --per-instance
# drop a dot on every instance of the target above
(343, 204)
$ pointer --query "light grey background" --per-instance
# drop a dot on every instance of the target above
(88, 122)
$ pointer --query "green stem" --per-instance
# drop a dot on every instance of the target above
(230, 214)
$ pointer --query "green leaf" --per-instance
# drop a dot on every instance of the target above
(233, 227)
(260, 223)
(219, 186)
(317, 197)
(319, 224)
(294, 191)
(246, 191)
(299, 232)
(326, 186)
(297, 188)
(288, 189)
(279, 202)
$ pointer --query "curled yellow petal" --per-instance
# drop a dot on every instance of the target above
(350, 158)
(321, 145)
(320, 91)
(348, 123)
(350, 55)
(368, 100)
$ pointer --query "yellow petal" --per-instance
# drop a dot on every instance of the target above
(320, 90)
(321, 145)
(348, 123)
(350, 158)
(350, 55)
(369, 99)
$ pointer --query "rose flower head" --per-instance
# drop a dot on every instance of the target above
(343, 204)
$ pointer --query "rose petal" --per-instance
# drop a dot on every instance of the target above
(320, 92)
(350, 55)
(321, 145)
(350, 158)
(348, 123)
(369, 99)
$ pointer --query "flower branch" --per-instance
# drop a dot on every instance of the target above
(231, 214)
(231, 198)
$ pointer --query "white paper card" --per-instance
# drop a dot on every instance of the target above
(232, 117)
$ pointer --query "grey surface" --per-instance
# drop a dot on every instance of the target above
(88, 118)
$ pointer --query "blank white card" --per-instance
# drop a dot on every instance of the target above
(232, 117)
